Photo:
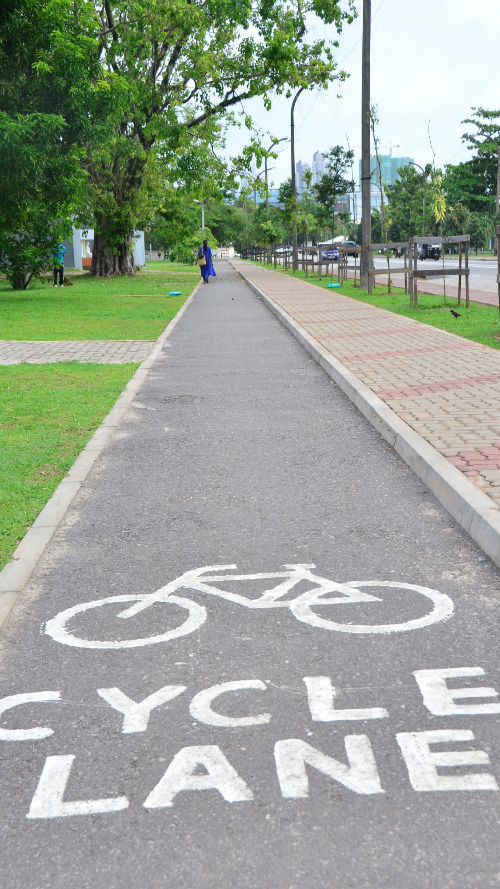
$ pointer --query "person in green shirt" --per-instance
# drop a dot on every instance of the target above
(58, 265)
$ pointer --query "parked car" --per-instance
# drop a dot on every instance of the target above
(430, 251)
(331, 253)
(351, 252)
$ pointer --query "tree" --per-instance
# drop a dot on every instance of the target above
(135, 79)
(472, 183)
(479, 227)
(168, 69)
(39, 184)
(226, 221)
(285, 207)
(439, 205)
(486, 139)
(405, 203)
(41, 177)
(333, 183)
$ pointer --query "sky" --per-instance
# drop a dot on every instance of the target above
(431, 62)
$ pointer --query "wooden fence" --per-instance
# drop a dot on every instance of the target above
(416, 271)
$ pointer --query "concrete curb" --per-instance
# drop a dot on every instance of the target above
(15, 574)
(470, 507)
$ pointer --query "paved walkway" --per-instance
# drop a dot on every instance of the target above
(248, 725)
(99, 351)
(445, 387)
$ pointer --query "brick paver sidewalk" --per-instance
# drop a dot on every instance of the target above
(100, 351)
(445, 387)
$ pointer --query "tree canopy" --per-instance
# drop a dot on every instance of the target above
(134, 79)
(486, 139)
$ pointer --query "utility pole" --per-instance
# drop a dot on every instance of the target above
(295, 249)
(366, 282)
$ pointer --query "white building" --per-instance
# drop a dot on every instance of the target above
(300, 168)
(79, 249)
(318, 166)
(355, 198)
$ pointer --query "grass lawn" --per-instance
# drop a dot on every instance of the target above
(136, 308)
(478, 323)
(48, 413)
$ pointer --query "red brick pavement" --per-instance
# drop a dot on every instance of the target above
(444, 387)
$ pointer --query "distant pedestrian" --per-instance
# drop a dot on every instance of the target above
(58, 264)
(206, 267)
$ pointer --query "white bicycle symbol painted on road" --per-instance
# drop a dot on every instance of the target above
(203, 580)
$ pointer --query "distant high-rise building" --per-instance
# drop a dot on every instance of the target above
(318, 166)
(300, 168)
(389, 166)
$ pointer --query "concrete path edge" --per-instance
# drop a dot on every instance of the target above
(16, 573)
(470, 507)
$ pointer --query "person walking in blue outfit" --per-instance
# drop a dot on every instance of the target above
(207, 268)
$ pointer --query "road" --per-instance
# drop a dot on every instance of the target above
(482, 276)
(342, 729)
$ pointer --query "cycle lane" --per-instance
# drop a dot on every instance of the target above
(240, 451)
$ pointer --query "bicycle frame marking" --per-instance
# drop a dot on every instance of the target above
(324, 592)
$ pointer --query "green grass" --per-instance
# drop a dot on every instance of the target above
(136, 308)
(478, 323)
(48, 412)
(47, 415)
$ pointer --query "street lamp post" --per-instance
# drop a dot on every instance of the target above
(366, 281)
(202, 212)
(295, 249)
(255, 188)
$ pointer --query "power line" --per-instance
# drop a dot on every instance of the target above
(304, 119)
(360, 39)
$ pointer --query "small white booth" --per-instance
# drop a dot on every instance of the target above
(79, 249)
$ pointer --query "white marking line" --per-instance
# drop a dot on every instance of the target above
(320, 697)
(292, 755)
(302, 606)
(360, 775)
(28, 734)
(201, 709)
(57, 626)
(181, 775)
(136, 714)
(48, 799)
(422, 763)
(440, 700)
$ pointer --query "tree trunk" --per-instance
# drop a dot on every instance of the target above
(19, 280)
(108, 260)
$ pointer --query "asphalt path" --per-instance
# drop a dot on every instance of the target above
(284, 740)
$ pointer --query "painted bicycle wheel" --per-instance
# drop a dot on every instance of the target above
(442, 609)
(57, 627)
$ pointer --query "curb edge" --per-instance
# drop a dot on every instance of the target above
(474, 511)
(17, 571)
